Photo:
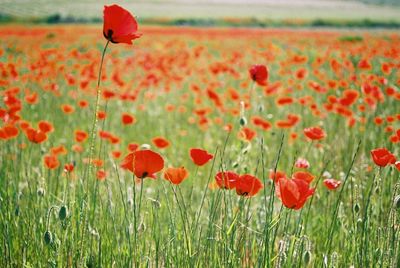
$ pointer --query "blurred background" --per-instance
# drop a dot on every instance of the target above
(260, 13)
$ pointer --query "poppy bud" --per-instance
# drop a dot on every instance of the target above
(356, 208)
(397, 202)
(243, 121)
(63, 213)
(48, 237)
(40, 192)
(307, 257)
(145, 147)
(16, 212)
(260, 108)
(235, 164)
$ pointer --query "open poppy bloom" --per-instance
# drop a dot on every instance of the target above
(200, 157)
(314, 133)
(51, 162)
(226, 179)
(143, 163)
(293, 192)
(176, 175)
(259, 74)
(248, 185)
(35, 136)
(382, 157)
(119, 25)
(332, 184)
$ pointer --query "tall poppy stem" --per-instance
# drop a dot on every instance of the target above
(96, 109)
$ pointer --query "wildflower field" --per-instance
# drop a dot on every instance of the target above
(198, 147)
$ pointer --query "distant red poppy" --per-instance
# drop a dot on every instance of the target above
(247, 133)
(259, 74)
(80, 135)
(293, 192)
(314, 133)
(45, 126)
(248, 185)
(332, 184)
(35, 136)
(160, 142)
(302, 163)
(69, 167)
(200, 157)
(128, 119)
(101, 174)
(119, 25)
(176, 175)
(382, 157)
(226, 179)
(9, 131)
(51, 162)
(397, 165)
(143, 163)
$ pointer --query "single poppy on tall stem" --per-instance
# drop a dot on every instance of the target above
(119, 27)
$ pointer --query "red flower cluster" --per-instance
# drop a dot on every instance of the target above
(245, 185)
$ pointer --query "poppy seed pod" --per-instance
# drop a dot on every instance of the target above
(356, 208)
(307, 257)
(243, 121)
(63, 213)
(48, 237)
(397, 202)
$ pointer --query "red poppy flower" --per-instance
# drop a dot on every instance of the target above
(382, 157)
(59, 150)
(302, 163)
(101, 174)
(314, 133)
(248, 185)
(9, 131)
(176, 175)
(259, 74)
(45, 126)
(200, 157)
(332, 184)
(51, 162)
(68, 168)
(143, 163)
(247, 133)
(128, 119)
(226, 180)
(160, 142)
(35, 136)
(119, 25)
(293, 192)
(80, 135)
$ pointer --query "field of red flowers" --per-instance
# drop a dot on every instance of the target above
(199, 147)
